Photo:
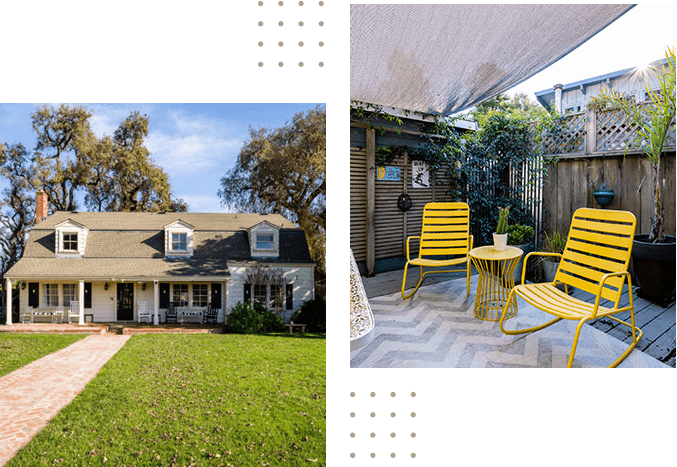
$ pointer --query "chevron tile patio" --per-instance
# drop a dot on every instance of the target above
(436, 328)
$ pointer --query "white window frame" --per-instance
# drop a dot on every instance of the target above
(270, 242)
(257, 288)
(70, 240)
(71, 295)
(197, 293)
(177, 290)
(50, 294)
(179, 242)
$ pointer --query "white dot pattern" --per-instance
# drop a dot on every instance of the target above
(376, 426)
(300, 22)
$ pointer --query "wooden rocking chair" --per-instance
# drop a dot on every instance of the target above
(444, 235)
(595, 260)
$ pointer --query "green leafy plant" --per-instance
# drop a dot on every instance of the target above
(243, 319)
(654, 123)
(246, 318)
(554, 243)
(519, 234)
(313, 314)
(502, 226)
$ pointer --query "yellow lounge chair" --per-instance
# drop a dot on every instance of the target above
(445, 232)
(595, 260)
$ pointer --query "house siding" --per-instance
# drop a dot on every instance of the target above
(303, 286)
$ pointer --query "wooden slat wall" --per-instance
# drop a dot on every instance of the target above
(358, 203)
(392, 226)
(568, 188)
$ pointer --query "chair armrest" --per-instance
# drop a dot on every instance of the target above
(409, 238)
(601, 286)
(536, 253)
(471, 242)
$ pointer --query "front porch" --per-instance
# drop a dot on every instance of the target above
(50, 301)
(115, 328)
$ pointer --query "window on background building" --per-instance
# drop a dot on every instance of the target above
(70, 241)
(260, 292)
(276, 297)
(265, 242)
(180, 294)
(69, 294)
(51, 294)
(179, 242)
(199, 294)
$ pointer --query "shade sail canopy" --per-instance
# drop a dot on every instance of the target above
(446, 58)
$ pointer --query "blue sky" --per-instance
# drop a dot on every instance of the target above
(195, 144)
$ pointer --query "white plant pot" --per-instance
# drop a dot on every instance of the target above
(500, 241)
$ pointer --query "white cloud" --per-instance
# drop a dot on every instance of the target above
(193, 142)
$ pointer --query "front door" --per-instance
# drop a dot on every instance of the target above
(216, 295)
(125, 302)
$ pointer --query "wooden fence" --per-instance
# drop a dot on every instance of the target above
(568, 187)
(592, 150)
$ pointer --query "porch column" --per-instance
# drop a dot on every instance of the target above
(81, 303)
(225, 300)
(8, 296)
(156, 302)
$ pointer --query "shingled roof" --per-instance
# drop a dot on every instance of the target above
(132, 245)
(135, 221)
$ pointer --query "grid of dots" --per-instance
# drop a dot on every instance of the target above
(373, 434)
(295, 38)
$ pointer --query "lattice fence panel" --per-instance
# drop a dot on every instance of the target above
(569, 139)
(614, 133)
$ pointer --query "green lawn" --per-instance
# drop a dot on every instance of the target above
(17, 350)
(194, 400)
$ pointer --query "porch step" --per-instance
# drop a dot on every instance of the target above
(115, 329)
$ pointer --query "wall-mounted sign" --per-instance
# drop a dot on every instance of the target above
(420, 176)
(391, 174)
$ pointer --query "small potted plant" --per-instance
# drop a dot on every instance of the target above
(501, 234)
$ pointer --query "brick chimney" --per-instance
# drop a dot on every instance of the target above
(40, 206)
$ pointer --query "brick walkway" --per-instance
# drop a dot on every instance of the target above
(32, 395)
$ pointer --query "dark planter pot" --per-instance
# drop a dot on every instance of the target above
(526, 248)
(603, 197)
(654, 267)
(550, 270)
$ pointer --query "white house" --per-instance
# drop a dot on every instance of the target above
(574, 97)
(109, 262)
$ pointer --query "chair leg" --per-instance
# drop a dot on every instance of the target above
(404, 297)
(467, 285)
(521, 331)
(636, 336)
(635, 339)
(404, 280)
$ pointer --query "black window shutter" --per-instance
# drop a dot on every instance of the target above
(34, 294)
(290, 296)
(247, 293)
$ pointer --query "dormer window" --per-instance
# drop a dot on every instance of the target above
(265, 241)
(179, 242)
(70, 241)
(70, 238)
(179, 239)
